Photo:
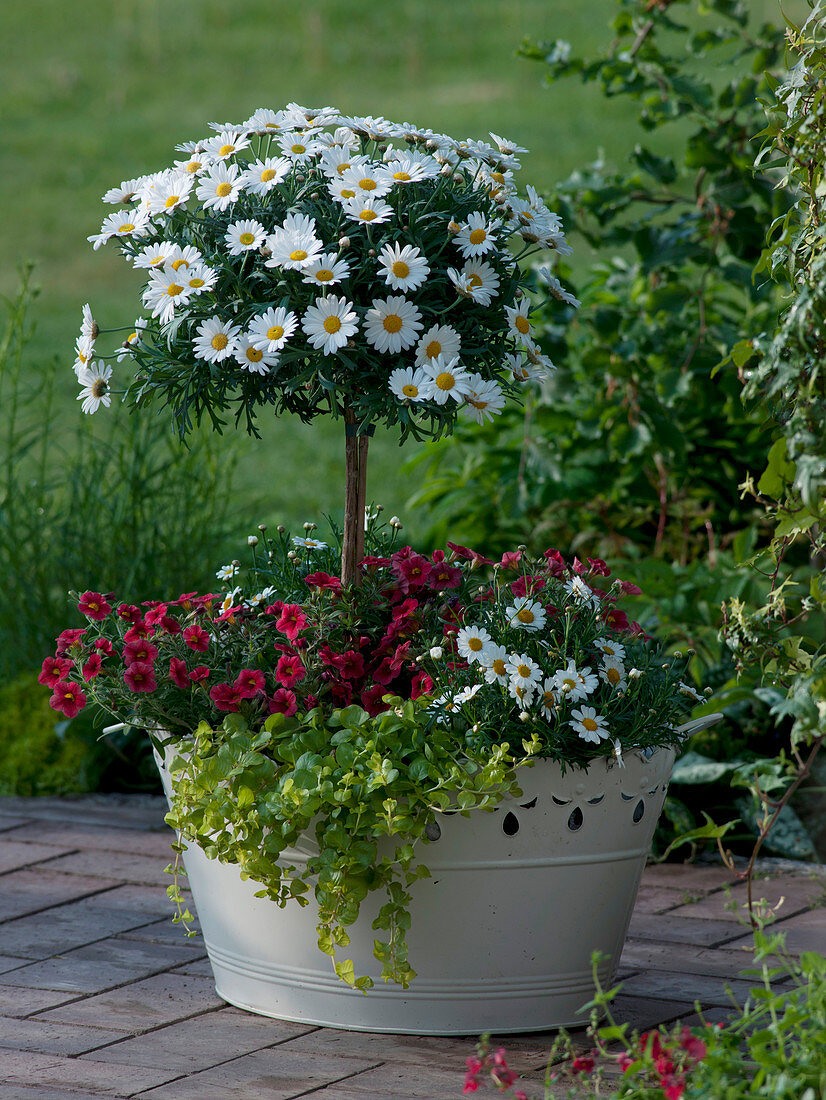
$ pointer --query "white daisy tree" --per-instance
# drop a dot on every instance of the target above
(312, 263)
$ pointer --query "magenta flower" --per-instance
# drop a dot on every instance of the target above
(139, 650)
(249, 683)
(92, 667)
(53, 670)
(225, 697)
(67, 698)
(140, 676)
(283, 702)
(196, 638)
(93, 605)
(292, 620)
(177, 673)
(290, 671)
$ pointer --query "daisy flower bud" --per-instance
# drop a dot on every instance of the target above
(292, 556)
(396, 522)
(524, 716)
(281, 528)
(344, 242)
(252, 540)
(436, 652)
(262, 527)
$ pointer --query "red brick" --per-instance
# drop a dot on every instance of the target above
(35, 889)
(96, 838)
(17, 1067)
(124, 866)
(14, 854)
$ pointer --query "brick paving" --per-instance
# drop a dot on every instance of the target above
(101, 996)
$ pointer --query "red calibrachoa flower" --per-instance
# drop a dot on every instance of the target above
(292, 620)
(693, 1045)
(137, 631)
(140, 676)
(139, 650)
(442, 574)
(350, 665)
(411, 571)
(94, 606)
(249, 683)
(155, 614)
(68, 698)
(129, 613)
(290, 671)
(53, 670)
(510, 559)
(323, 580)
(225, 697)
(178, 674)
(67, 639)
(283, 702)
(199, 673)
(104, 646)
(92, 667)
(196, 638)
(583, 1063)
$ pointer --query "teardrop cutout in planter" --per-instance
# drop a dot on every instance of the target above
(596, 801)
(432, 830)
(510, 826)
(528, 805)
(561, 801)
(576, 819)
(639, 811)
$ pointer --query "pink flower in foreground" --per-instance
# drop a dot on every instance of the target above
(93, 605)
(53, 670)
(67, 698)
(225, 697)
(694, 1046)
(177, 673)
(139, 650)
(289, 671)
(292, 620)
(92, 667)
(323, 580)
(283, 702)
(511, 559)
(196, 638)
(249, 683)
(68, 638)
(199, 673)
(140, 676)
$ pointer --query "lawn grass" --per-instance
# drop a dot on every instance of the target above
(95, 91)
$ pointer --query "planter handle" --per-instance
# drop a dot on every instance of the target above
(698, 724)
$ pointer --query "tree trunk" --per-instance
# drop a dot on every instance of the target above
(355, 499)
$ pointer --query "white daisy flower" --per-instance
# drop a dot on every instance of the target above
(523, 672)
(472, 643)
(84, 351)
(123, 223)
(198, 277)
(225, 144)
(409, 383)
(412, 169)
(326, 270)
(329, 323)
(219, 187)
(447, 379)
(484, 399)
(509, 148)
(88, 325)
(294, 244)
(194, 163)
(125, 193)
(243, 236)
(541, 365)
(265, 119)
(526, 614)
(262, 175)
(270, 331)
(403, 266)
(521, 370)
(308, 543)
(337, 159)
(613, 673)
(477, 236)
(466, 694)
(299, 148)
(340, 192)
(573, 683)
(164, 293)
(96, 391)
(548, 699)
(252, 358)
(392, 324)
(589, 725)
(609, 648)
(185, 257)
(156, 255)
(227, 572)
(580, 592)
(438, 340)
(369, 211)
(170, 193)
(555, 287)
(215, 340)
(367, 181)
(522, 694)
(477, 280)
(132, 339)
(230, 599)
(518, 321)
(495, 663)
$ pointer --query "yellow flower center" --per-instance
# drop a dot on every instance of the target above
(590, 724)
(223, 189)
(332, 324)
(171, 200)
(499, 177)
(193, 166)
(522, 324)
(475, 644)
(548, 698)
(609, 650)
(324, 275)
(219, 341)
(367, 215)
(298, 255)
(477, 236)
(392, 322)
(196, 283)
(127, 227)
(367, 184)
(342, 168)
(275, 333)
(525, 615)
(613, 675)
(267, 175)
(523, 670)
(570, 684)
(159, 260)
(498, 666)
(299, 149)
(254, 355)
(346, 194)
(474, 281)
(176, 265)
(225, 150)
(246, 238)
(173, 290)
(403, 176)
(410, 390)
(433, 349)
(445, 380)
(400, 269)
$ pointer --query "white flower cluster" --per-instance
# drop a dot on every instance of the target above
(295, 233)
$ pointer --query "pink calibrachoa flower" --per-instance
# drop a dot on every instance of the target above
(583, 1063)
(693, 1045)
(129, 613)
(178, 674)
(140, 676)
(105, 646)
(373, 699)
(292, 620)
(371, 563)
(341, 694)
(289, 670)
(283, 701)
(93, 605)
(323, 580)
(53, 670)
(68, 638)
(465, 554)
(155, 614)
(199, 673)
(67, 698)
(139, 650)
(92, 667)
(225, 697)
(510, 559)
(196, 638)
(422, 685)
(556, 563)
(137, 631)
(350, 665)
(442, 574)
(249, 683)
(411, 571)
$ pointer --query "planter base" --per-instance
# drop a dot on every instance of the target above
(502, 934)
